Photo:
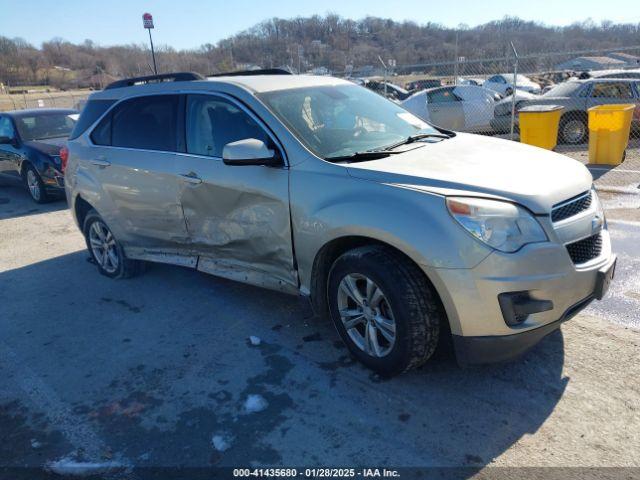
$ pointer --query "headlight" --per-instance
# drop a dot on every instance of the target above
(501, 225)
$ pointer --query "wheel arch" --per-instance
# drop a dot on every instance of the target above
(329, 253)
(80, 209)
(573, 114)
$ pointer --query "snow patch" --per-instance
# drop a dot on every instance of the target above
(255, 403)
(35, 443)
(221, 442)
(255, 341)
(72, 467)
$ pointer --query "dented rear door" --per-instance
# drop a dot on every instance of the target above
(237, 217)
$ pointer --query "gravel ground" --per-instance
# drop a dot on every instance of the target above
(160, 370)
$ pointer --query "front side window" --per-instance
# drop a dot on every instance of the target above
(612, 90)
(212, 122)
(148, 123)
(42, 126)
(338, 120)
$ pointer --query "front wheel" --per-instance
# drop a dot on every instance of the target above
(105, 250)
(384, 308)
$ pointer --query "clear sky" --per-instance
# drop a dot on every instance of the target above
(191, 23)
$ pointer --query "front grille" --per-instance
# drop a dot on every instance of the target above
(584, 250)
(571, 207)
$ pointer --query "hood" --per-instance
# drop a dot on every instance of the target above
(49, 146)
(476, 165)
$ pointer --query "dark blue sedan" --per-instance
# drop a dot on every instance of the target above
(30, 142)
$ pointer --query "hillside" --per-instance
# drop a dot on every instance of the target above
(319, 41)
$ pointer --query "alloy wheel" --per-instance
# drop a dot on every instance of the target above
(103, 247)
(574, 131)
(34, 185)
(366, 315)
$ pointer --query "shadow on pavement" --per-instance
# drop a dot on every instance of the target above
(15, 201)
(160, 365)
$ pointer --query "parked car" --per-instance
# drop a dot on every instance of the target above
(392, 91)
(619, 73)
(30, 142)
(397, 231)
(464, 107)
(504, 84)
(576, 96)
(470, 81)
(423, 84)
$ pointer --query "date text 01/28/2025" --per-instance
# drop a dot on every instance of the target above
(316, 472)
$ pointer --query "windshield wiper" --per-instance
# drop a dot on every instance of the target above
(360, 156)
(415, 138)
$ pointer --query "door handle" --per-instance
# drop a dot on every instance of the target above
(191, 178)
(101, 162)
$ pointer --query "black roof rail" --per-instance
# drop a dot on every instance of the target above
(165, 77)
(260, 71)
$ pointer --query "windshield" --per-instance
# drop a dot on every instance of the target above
(565, 89)
(335, 121)
(519, 78)
(44, 125)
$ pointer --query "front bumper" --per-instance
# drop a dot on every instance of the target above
(544, 270)
(502, 348)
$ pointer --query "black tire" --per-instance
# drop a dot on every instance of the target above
(568, 123)
(36, 190)
(508, 92)
(126, 268)
(415, 305)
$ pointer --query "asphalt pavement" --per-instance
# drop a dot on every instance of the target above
(98, 375)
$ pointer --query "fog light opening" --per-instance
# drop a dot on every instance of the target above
(517, 306)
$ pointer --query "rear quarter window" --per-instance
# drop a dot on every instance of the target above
(90, 113)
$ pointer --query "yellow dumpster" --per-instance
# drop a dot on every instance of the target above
(539, 125)
(609, 128)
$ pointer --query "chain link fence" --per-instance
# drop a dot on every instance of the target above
(43, 99)
(486, 96)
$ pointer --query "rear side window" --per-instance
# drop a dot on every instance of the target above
(443, 96)
(90, 113)
(612, 90)
(147, 123)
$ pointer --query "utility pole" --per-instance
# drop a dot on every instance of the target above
(147, 22)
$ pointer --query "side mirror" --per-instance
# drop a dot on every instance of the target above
(7, 141)
(249, 151)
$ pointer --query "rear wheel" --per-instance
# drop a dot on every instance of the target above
(573, 129)
(35, 185)
(384, 309)
(105, 250)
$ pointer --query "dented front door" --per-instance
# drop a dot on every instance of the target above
(237, 216)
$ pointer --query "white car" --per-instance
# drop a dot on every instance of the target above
(464, 108)
(504, 84)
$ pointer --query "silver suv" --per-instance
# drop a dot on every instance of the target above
(400, 232)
